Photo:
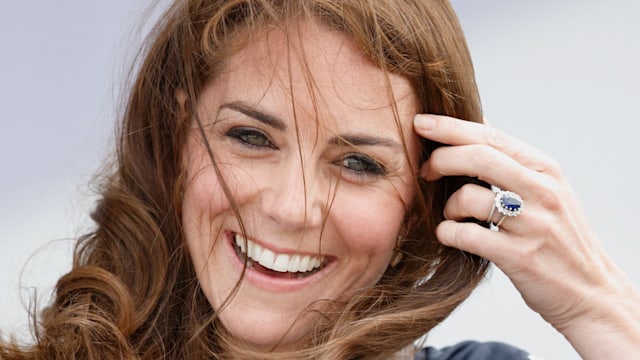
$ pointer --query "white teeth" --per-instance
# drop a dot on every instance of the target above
(277, 262)
(281, 263)
(254, 251)
(266, 258)
(241, 244)
(294, 264)
(304, 263)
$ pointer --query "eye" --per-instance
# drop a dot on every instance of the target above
(362, 165)
(251, 137)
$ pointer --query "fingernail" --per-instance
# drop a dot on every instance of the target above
(424, 122)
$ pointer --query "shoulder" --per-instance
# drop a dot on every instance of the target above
(472, 350)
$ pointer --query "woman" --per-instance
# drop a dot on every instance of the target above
(270, 152)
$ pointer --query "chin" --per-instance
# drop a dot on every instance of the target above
(268, 332)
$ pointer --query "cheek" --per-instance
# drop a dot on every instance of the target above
(370, 224)
(203, 200)
(205, 196)
(203, 204)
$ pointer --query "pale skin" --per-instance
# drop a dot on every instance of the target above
(283, 165)
(549, 252)
(592, 303)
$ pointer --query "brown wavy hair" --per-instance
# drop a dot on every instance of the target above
(132, 291)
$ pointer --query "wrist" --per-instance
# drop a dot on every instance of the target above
(609, 327)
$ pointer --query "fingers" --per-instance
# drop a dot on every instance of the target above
(474, 201)
(481, 161)
(475, 239)
(453, 131)
(470, 201)
(548, 250)
(477, 150)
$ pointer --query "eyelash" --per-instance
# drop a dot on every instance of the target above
(369, 168)
(244, 135)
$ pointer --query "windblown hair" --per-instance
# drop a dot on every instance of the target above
(132, 291)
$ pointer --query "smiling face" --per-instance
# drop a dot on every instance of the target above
(318, 174)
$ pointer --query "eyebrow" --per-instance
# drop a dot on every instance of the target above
(364, 140)
(252, 112)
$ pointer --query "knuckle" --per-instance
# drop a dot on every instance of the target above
(462, 235)
(448, 233)
(540, 162)
(464, 195)
(466, 192)
(550, 197)
(484, 158)
(496, 138)
(545, 164)
(477, 154)
(434, 158)
(551, 165)
(459, 203)
(455, 127)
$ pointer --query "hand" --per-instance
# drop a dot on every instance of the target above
(549, 251)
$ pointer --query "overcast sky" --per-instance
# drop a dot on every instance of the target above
(562, 75)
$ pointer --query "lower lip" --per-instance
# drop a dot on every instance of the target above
(270, 283)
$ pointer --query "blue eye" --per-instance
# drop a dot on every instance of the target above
(362, 165)
(251, 137)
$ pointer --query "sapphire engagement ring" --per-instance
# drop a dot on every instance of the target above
(507, 204)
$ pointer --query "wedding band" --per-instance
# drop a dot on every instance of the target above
(508, 204)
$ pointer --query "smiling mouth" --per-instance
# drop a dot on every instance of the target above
(285, 266)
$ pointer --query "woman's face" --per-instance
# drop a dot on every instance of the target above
(316, 165)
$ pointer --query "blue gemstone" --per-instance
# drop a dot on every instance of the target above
(510, 203)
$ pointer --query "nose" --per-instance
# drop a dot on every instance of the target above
(296, 197)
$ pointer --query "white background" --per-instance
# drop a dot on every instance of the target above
(562, 75)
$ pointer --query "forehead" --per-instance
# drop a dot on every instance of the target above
(319, 70)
